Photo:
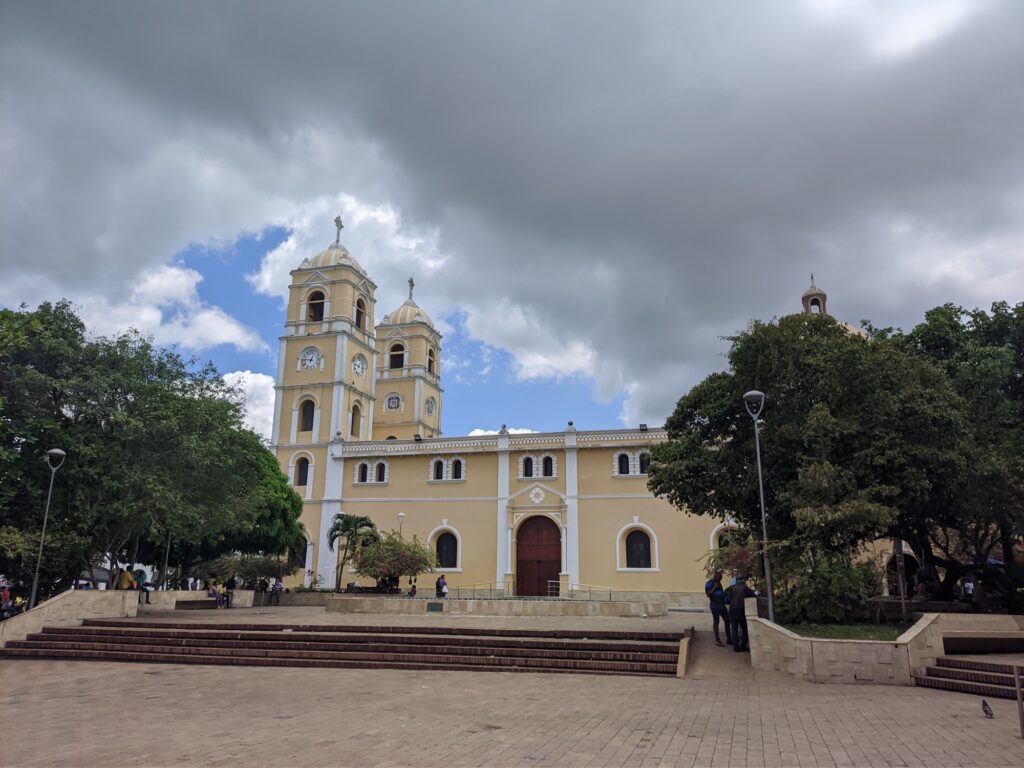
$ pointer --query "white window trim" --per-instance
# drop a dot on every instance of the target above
(634, 463)
(444, 527)
(446, 469)
(310, 475)
(620, 547)
(371, 472)
(728, 524)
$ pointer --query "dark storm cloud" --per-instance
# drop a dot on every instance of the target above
(630, 181)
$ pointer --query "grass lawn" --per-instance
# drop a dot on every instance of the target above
(849, 631)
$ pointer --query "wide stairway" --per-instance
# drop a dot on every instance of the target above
(371, 647)
(982, 678)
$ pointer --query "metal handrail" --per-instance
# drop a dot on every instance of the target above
(555, 590)
(495, 586)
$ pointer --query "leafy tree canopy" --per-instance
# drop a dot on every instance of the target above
(158, 462)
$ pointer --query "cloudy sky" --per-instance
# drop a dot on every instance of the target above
(590, 194)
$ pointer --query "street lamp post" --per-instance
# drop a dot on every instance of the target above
(401, 519)
(754, 401)
(54, 458)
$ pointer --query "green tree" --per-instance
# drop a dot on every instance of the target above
(389, 557)
(353, 532)
(983, 355)
(158, 462)
(859, 439)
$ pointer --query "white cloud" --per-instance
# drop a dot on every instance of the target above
(258, 389)
(897, 28)
(165, 305)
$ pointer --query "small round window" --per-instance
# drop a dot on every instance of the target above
(393, 403)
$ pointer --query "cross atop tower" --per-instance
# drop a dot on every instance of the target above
(412, 284)
(339, 226)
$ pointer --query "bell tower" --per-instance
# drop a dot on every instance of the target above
(814, 300)
(408, 374)
(326, 358)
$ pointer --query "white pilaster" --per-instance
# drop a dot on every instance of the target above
(572, 510)
(502, 528)
(308, 565)
(295, 424)
(418, 410)
(336, 410)
(282, 348)
(317, 437)
(326, 559)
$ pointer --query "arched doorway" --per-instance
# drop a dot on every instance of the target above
(538, 555)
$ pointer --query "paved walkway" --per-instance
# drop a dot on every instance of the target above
(62, 713)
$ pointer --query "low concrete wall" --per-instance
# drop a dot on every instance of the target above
(305, 599)
(822, 660)
(417, 605)
(167, 599)
(70, 608)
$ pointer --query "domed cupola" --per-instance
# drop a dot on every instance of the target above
(335, 254)
(814, 300)
(408, 313)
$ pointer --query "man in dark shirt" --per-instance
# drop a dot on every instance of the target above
(738, 613)
(719, 610)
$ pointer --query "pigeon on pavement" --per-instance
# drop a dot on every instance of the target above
(987, 709)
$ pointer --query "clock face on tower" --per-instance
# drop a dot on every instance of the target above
(359, 365)
(309, 358)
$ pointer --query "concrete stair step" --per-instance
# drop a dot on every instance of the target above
(963, 686)
(208, 656)
(581, 634)
(409, 637)
(975, 665)
(970, 676)
(300, 643)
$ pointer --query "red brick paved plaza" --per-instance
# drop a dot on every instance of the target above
(106, 714)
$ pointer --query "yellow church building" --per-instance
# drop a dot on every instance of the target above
(357, 429)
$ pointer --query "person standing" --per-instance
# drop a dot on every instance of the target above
(275, 592)
(719, 609)
(229, 588)
(738, 614)
(441, 586)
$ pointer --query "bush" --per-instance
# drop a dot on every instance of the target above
(829, 592)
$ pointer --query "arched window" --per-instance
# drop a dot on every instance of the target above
(397, 358)
(439, 470)
(360, 314)
(645, 463)
(364, 473)
(527, 467)
(302, 472)
(623, 464)
(638, 550)
(380, 472)
(548, 467)
(457, 469)
(306, 411)
(357, 417)
(315, 304)
(430, 361)
(390, 437)
(447, 550)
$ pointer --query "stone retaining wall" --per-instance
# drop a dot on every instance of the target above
(167, 599)
(70, 607)
(374, 604)
(822, 660)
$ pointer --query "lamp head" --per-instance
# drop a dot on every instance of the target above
(401, 517)
(754, 400)
(54, 458)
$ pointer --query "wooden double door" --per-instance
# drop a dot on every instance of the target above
(538, 555)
